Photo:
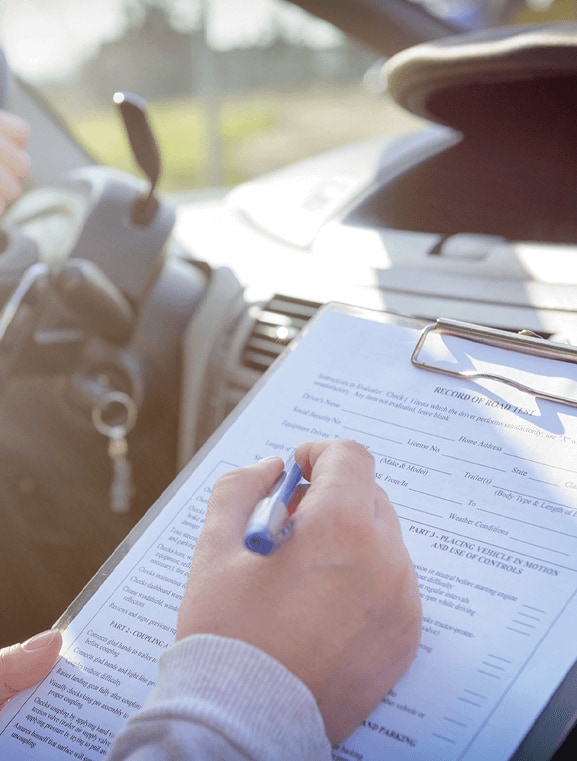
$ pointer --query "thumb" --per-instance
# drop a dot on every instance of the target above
(24, 665)
(234, 497)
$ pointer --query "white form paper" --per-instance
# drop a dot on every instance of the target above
(484, 481)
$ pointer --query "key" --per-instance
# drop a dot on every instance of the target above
(121, 484)
(120, 407)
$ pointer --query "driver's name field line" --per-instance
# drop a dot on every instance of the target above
(374, 435)
(398, 425)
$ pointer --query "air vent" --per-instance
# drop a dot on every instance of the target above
(254, 339)
(275, 325)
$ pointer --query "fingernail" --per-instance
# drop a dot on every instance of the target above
(40, 641)
(267, 460)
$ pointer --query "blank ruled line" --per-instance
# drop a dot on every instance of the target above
(527, 523)
(374, 435)
(454, 721)
(545, 483)
(442, 737)
(538, 462)
(398, 425)
(526, 615)
(436, 496)
(470, 702)
(472, 462)
(498, 658)
(488, 673)
(493, 666)
(476, 694)
(540, 546)
(517, 631)
(417, 510)
(523, 623)
(531, 607)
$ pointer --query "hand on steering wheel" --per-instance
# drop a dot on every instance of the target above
(14, 160)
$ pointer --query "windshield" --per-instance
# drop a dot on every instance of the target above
(235, 88)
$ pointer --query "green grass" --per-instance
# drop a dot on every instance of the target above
(181, 128)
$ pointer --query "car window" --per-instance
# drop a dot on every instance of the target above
(235, 88)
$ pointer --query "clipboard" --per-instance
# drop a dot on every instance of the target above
(554, 733)
(524, 342)
(555, 722)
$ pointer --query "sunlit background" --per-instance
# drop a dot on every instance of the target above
(235, 87)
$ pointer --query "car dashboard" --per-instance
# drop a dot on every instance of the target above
(281, 246)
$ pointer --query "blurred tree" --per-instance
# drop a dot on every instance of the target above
(159, 59)
(152, 58)
(181, 14)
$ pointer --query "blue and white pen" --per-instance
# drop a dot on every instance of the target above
(270, 524)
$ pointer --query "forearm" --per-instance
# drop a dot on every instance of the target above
(221, 698)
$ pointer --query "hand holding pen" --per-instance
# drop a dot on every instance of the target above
(337, 604)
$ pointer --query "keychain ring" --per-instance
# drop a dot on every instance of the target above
(106, 406)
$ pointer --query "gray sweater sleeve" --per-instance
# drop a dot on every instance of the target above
(220, 698)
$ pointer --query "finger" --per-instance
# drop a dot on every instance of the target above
(233, 499)
(383, 508)
(10, 187)
(24, 665)
(14, 128)
(13, 158)
(341, 473)
(8, 194)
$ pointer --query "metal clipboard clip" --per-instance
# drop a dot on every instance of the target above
(524, 342)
